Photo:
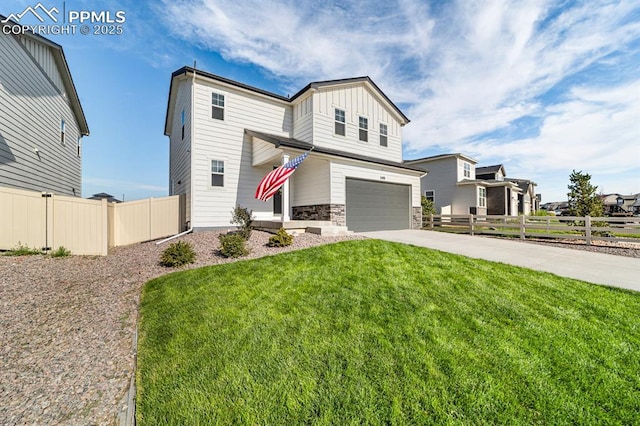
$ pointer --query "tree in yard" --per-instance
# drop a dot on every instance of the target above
(583, 199)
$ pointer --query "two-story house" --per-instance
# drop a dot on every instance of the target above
(528, 201)
(225, 136)
(454, 186)
(41, 119)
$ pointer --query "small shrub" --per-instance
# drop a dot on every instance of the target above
(427, 206)
(233, 245)
(243, 217)
(178, 254)
(61, 252)
(22, 250)
(281, 239)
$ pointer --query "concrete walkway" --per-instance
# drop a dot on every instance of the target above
(598, 268)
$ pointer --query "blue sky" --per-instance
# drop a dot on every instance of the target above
(542, 87)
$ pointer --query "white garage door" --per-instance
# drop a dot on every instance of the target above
(375, 206)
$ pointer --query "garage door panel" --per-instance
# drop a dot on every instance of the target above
(374, 205)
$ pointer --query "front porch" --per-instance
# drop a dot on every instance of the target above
(320, 227)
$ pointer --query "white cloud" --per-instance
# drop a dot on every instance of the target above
(464, 70)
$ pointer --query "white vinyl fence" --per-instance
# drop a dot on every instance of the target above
(86, 227)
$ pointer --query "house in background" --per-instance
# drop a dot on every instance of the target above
(104, 196)
(528, 201)
(225, 136)
(41, 119)
(618, 204)
(455, 187)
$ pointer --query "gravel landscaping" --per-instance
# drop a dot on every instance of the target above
(67, 325)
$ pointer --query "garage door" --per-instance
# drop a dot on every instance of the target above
(374, 206)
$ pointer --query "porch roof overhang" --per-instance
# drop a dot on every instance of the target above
(490, 183)
(263, 153)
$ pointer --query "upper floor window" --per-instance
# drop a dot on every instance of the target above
(340, 122)
(79, 147)
(217, 173)
(383, 134)
(217, 106)
(363, 126)
(430, 195)
(62, 131)
(467, 170)
(182, 123)
(482, 197)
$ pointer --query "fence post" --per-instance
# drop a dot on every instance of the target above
(522, 230)
(431, 221)
(471, 224)
(587, 229)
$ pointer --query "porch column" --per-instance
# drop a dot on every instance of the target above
(285, 193)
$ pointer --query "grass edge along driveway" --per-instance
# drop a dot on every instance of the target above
(377, 332)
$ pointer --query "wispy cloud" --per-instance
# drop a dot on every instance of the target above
(466, 72)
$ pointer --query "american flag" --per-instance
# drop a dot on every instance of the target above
(270, 184)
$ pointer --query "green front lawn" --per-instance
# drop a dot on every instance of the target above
(371, 332)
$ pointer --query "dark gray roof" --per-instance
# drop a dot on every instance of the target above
(314, 85)
(279, 141)
(522, 183)
(104, 196)
(438, 157)
(489, 169)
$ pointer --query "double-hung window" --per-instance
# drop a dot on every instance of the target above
(430, 195)
(217, 106)
(482, 197)
(340, 122)
(383, 134)
(217, 173)
(363, 126)
(467, 170)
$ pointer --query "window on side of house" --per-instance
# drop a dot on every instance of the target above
(467, 170)
(482, 197)
(217, 173)
(79, 147)
(182, 123)
(217, 106)
(340, 122)
(430, 195)
(62, 130)
(363, 126)
(383, 134)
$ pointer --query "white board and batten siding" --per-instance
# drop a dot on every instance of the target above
(357, 101)
(311, 183)
(226, 140)
(32, 106)
(303, 119)
(180, 148)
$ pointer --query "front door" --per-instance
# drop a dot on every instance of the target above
(277, 202)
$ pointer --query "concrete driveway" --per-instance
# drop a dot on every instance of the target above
(598, 268)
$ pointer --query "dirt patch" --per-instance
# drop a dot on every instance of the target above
(67, 326)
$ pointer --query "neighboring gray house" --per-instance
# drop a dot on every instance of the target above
(455, 188)
(618, 204)
(225, 136)
(528, 201)
(41, 119)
